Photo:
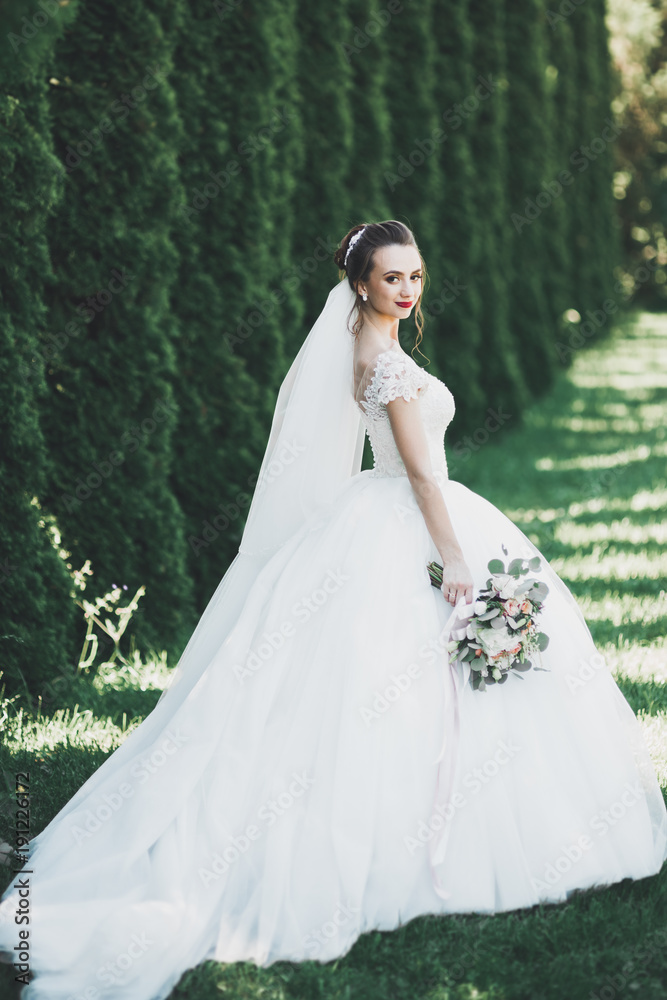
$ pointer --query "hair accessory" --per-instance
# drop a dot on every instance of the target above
(351, 244)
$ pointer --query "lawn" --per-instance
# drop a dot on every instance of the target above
(584, 475)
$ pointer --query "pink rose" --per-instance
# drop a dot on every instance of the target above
(512, 607)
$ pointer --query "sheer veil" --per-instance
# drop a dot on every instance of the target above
(315, 444)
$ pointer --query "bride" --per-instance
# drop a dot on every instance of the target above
(317, 768)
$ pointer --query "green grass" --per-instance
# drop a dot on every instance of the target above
(584, 476)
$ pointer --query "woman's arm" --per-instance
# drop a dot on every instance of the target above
(410, 437)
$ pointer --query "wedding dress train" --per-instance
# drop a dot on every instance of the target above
(327, 772)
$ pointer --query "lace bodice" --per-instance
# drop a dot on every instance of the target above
(394, 373)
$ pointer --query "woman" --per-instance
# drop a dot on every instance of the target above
(317, 768)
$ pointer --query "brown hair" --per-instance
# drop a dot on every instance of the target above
(361, 260)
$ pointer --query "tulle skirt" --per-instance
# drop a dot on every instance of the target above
(321, 770)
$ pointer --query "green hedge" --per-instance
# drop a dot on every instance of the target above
(177, 177)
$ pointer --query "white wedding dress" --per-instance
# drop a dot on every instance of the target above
(330, 773)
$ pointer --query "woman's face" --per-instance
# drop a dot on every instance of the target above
(395, 284)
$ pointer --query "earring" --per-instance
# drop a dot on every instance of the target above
(364, 296)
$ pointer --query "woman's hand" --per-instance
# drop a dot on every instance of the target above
(456, 579)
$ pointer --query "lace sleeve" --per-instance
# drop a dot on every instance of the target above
(397, 375)
(390, 374)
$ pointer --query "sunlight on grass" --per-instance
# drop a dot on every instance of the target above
(615, 531)
(83, 727)
(602, 564)
(149, 676)
(584, 476)
(639, 662)
(624, 609)
(654, 728)
(638, 454)
(66, 725)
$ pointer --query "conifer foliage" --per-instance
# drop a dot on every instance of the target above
(177, 177)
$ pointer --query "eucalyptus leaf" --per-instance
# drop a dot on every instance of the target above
(539, 591)
(516, 567)
(496, 566)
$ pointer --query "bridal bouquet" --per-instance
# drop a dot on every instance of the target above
(497, 632)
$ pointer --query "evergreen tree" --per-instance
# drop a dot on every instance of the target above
(564, 94)
(288, 150)
(595, 234)
(530, 200)
(229, 264)
(453, 304)
(322, 207)
(501, 374)
(365, 48)
(36, 611)
(413, 174)
(110, 410)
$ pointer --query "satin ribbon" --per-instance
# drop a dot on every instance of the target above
(454, 680)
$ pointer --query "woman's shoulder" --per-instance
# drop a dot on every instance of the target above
(390, 372)
(370, 355)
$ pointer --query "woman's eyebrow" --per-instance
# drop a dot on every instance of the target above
(396, 271)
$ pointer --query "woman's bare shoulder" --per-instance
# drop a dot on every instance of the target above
(366, 354)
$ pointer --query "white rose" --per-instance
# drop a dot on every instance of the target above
(497, 641)
(505, 585)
